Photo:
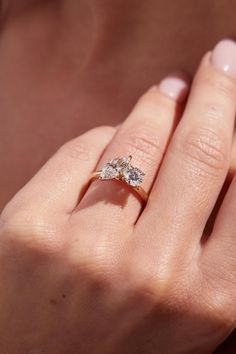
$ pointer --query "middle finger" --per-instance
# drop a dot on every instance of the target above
(197, 160)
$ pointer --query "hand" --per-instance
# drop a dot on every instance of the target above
(87, 270)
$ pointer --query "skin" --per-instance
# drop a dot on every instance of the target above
(48, 83)
(47, 86)
(126, 279)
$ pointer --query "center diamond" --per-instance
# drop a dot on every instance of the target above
(133, 176)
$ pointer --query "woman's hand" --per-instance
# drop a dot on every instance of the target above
(90, 271)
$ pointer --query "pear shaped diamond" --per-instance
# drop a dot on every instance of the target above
(109, 171)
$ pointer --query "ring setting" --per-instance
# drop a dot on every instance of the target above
(120, 168)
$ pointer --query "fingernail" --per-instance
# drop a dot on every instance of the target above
(117, 126)
(224, 56)
(175, 86)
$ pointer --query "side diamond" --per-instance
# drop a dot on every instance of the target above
(109, 172)
(122, 163)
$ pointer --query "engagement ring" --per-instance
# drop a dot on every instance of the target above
(121, 169)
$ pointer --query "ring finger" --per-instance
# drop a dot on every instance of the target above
(144, 135)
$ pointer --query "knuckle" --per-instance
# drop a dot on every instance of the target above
(144, 144)
(148, 100)
(149, 280)
(153, 102)
(219, 294)
(167, 285)
(220, 84)
(151, 105)
(207, 150)
(149, 286)
(219, 305)
(32, 232)
(4, 215)
(104, 131)
(78, 149)
(225, 316)
(99, 259)
(215, 111)
(86, 146)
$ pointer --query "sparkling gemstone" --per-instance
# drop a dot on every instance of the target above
(109, 171)
(124, 161)
(114, 162)
(133, 176)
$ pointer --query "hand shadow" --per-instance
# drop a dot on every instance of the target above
(111, 192)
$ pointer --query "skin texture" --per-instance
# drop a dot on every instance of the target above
(48, 83)
(125, 280)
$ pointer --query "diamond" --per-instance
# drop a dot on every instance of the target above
(122, 163)
(109, 171)
(133, 176)
(114, 162)
(120, 168)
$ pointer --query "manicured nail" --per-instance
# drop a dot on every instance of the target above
(224, 56)
(175, 86)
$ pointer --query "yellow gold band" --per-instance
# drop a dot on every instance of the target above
(139, 190)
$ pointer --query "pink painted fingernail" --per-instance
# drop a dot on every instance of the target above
(224, 56)
(175, 86)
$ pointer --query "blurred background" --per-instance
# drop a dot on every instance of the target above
(67, 66)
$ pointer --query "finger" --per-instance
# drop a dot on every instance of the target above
(218, 259)
(59, 183)
(233, 155)
(196, 163)
(144, 135)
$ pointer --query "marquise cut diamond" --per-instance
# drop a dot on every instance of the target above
(124, 161)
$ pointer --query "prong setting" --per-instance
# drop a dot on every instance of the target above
(121, 169)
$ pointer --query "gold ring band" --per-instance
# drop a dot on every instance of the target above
(121, 170)
(139, 190)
